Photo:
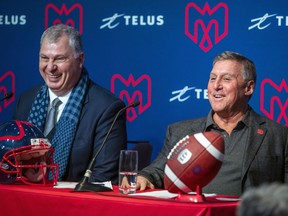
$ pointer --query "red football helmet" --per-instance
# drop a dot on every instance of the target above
(26, 155)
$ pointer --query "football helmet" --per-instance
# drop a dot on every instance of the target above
(26, 155)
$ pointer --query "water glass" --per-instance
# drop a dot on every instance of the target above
(128, 166)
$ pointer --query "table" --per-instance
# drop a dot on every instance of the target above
(45, 201)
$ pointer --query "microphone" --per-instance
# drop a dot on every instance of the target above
(7, 96)
(84, 185)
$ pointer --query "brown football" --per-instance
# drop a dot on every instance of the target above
(194, 160)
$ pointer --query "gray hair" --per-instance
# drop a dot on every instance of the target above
(55, 32)
(249, 70)
(266, 200)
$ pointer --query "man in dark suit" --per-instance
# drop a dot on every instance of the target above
(255, 147)
(85, 113)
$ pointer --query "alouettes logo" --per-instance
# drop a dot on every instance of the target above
(131, 90)
(7, 79)
(202, 24)
(72, 16)
(271, 104)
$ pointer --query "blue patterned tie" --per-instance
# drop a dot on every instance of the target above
(52, 116)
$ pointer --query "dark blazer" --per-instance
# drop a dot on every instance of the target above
(265, 159)
(100, 108)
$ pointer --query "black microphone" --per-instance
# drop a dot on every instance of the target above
(84, 185)
(7, 96)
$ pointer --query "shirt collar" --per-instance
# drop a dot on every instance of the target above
(64, 98)
(210, 122)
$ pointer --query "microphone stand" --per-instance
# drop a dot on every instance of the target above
(6, 96)
(84, 185)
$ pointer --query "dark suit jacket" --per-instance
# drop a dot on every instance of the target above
(100, 108)
(265, 159)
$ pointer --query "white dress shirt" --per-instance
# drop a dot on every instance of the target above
(64, 100)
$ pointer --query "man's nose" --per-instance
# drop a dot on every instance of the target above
(51, 66)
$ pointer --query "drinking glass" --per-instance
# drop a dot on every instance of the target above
(128, 166)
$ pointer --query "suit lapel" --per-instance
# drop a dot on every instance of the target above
(257, 132)
(86, 101)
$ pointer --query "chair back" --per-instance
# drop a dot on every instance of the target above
(144, 149)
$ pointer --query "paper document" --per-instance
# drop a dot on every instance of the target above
(158, 194)
(227, 199)
(163, 194)
(73, 184)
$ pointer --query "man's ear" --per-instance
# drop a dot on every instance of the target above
(250, 86)
(81, 59)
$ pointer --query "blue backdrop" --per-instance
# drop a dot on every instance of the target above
(158, 52)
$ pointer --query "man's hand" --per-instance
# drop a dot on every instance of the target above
(143, 183)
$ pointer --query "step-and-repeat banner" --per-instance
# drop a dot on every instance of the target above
(159, 52)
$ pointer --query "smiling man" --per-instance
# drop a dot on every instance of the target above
(84, 111)
(255, 147)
